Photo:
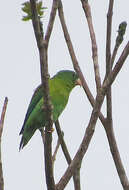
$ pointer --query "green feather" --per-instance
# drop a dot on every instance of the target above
(60, 87)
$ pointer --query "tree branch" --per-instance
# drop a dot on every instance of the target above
(109, 122)
(51, 21)
(87, 11)
(77, 68)
(42, 46)
(116, 157)
(74, 59)
(1, 130)
(108, 39)
(55, 151)
(94, 116)
(108, 59)
(120, 62)
(119, 40)
(76, 175)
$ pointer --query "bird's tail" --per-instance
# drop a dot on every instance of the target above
(26, 136)
(21, 144)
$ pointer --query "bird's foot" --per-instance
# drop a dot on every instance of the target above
(51, 131)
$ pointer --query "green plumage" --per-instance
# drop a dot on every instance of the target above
(60, 87)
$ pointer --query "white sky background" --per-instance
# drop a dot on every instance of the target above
(20, 75)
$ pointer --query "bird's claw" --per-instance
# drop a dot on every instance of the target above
(51, 131)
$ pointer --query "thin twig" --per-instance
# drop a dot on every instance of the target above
(3, 115)
(109, 121)
(119, 40)
(87, 11)
(55, 151)
(108, 59)
(1, 130)
(94, 116)
(75, 61)
(62, 142)
(51, 21)
(108, 39)
(42, 46)
(120, 61)
(76, 175)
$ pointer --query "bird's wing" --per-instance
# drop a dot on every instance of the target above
(34, 100)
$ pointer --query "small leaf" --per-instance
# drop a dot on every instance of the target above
(27, 9)
(25, 18)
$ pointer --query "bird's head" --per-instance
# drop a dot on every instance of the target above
(70, 78)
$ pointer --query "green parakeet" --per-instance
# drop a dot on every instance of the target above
(60, 87)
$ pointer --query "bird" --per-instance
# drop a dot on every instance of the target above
(60, 86)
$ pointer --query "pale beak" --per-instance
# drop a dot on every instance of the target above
(78, 82)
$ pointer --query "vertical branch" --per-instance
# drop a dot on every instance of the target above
(48, 127)
(1, 130)
(109, 122)
(42, 46)
(76, 175)
(51, 21)
(108, 60)
(87, 11)
(108, 38)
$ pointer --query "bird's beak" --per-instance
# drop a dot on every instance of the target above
(78, 82)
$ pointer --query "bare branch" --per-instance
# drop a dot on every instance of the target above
(85, 143)
(77, 68)
(3, 116)
(62, 142)
(108, 40)
(42, 46)
(119, 40)
(110, 132)
(109, 128)
(55, 151)
(1, 130)
(51, 21)
(120, 62)
(116, 157)
(108, 58)
(94, 116)
(87, 11)
(76, 175)
(75, 61)
(109, 122)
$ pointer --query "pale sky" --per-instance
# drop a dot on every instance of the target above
(20, 75)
